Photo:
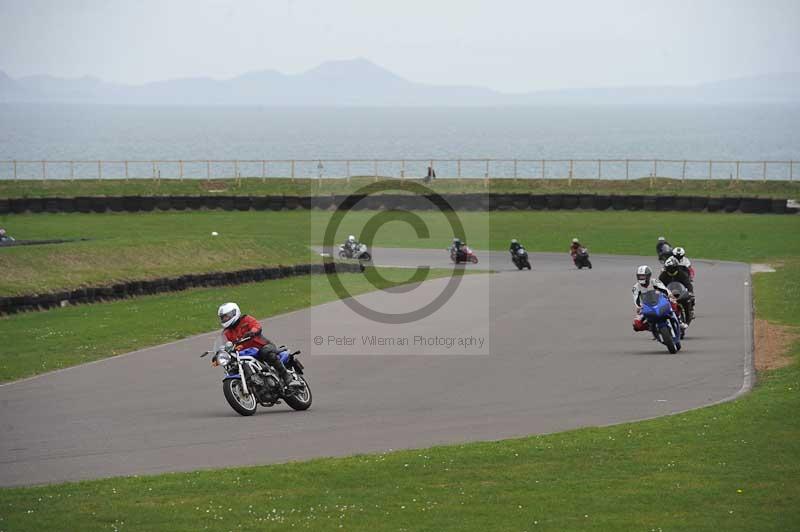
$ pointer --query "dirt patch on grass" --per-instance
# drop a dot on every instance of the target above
(772, 345)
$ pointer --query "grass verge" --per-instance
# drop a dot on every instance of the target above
(75, 335)
(146, 246)
(305, 187)
(728, 467)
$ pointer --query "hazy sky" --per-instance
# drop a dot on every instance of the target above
(507, 45)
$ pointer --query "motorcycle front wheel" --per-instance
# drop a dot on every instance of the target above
(234, 393)
(366, 256)
(301, 399)
(666, 337)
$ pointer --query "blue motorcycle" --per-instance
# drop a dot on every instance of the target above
(657, 310)
(250, 382)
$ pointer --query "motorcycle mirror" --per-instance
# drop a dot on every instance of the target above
(204, 354)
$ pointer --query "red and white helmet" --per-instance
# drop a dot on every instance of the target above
(229, 314)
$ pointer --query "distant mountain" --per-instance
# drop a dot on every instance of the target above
(361, 82)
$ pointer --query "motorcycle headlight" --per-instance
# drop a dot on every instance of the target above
(223, 358)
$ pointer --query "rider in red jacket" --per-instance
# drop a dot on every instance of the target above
(238, 327)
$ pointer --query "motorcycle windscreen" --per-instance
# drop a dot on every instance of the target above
(654, 304)
(678, 290)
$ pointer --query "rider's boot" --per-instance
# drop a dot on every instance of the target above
(289, 381)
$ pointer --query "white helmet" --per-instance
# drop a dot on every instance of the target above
(662, 239)
(643, 274)
(514, 241)
(351, 238)
(229, 314)
(576, 241)
(679, 253)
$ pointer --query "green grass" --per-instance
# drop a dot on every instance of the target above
(146, 246)
(90, 332)
(743, 237)
(731, 467)
(150, 245)
(258, 186)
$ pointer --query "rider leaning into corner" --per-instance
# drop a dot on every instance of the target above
(238, 327)
(673, 272)
(646, 283)
(574, 247)
(683, 261)
(458, 248)
(514, 247)
(352, 244)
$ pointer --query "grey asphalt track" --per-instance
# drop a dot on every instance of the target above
(560, 354)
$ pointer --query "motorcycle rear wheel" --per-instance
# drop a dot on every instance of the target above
(300, 400)
(232, 389)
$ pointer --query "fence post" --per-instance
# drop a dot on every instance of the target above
(15, 170)
(599, 169)
(683, 172)
(709, 169)
(208, 170)
(375, 168)
(44, 170)
(791, 170)
(126, 170)
(263, 171)
(180, 166)
(569, 180)
(515, 168)
(72, 170)
(458, 166)
(653, 175)
(737, 170)
(542, 168)
(765, 171)
(348, 171)
(292, 170)
(154, 170)
(403, 169)
(486, 175)
(99, 170)
(236, 173)
(626, 169)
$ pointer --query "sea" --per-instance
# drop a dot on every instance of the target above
(404, 139)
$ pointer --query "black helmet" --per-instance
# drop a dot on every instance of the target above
(671, 265)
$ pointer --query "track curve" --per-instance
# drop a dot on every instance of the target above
(562, 355)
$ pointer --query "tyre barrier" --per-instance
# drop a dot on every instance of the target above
(469, 202)
(32, 302)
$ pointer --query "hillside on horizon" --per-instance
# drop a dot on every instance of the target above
(360, 82)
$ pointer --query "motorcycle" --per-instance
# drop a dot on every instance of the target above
(520, 259)
(657, 310)
(684, 310)
(360, 253)
(249, 382)
(468, 255)
(581, 258)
